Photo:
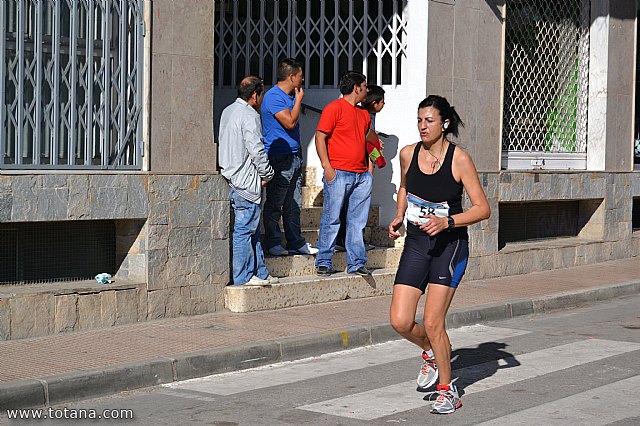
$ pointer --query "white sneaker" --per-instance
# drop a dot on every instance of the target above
(257, 282)
(278, 251)
(448, 400)
(428, 372)
(272, 280)
(306, 249)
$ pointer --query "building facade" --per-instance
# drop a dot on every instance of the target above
(109, 159)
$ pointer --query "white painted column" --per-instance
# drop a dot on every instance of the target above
(598, 89)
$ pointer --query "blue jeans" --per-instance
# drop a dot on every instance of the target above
(248, 257)
(284, 199)
(355, 190)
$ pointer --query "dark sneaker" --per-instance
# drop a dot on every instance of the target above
(324, 270)
(362, 271)
(428, 373)
(448, 400)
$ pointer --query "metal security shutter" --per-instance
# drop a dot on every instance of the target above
(56, 251)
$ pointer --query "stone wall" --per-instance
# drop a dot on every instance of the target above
(605, 216)
(172, 249)
(187, 244)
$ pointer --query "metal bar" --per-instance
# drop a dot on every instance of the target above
(37, 133)
(20, 89)
(55, 93)
(73, 83)
(274, 28)
(106, 118)
(336, 43)
(322, 43)
(122, 100)
(247, 44)
(380, 52)
(221, 50)
(290, 27)
(3, 106)
(88, 149)
(350, 43)
(139, 149)
(261, 49)
(394, 45)
(365, 42)
(307, 42)
(234, 49)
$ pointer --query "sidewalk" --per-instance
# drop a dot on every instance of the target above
(55, 369)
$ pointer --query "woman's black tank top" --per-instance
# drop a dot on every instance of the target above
(436, 188)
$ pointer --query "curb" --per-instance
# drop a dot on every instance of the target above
(111, 380)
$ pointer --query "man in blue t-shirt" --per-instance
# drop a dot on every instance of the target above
(281, 132)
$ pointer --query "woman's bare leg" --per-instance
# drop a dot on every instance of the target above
(404, 304)
(435, 311)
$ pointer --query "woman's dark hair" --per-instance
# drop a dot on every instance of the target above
(447, 112)
(350, 79)
(248, 85)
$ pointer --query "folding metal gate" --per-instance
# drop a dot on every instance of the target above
(71, 83)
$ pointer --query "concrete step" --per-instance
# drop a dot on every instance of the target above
(300, 265)
(312, 196)
(308, 290)
(310, 217)
(370, 233)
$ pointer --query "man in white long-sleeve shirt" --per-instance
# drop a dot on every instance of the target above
(245, 165)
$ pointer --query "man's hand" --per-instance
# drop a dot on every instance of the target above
(395, 224)
(299, 93)
(264, 183)
(329, 173)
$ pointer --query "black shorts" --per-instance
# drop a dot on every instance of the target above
(439, 260)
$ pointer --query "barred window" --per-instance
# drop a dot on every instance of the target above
(71, 79)
(327, 37)
(546, 76)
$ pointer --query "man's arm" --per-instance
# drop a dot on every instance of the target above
(321, 149)
(289, 117)
(252, 137)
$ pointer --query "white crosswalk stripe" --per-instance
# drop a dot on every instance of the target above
(290, 372)
(401, 397)
(586, 408)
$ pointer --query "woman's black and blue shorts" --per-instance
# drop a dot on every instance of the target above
(439, 260)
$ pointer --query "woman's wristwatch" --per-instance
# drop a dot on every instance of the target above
(450, 222)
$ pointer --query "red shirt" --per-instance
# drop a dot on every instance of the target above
(345, 126)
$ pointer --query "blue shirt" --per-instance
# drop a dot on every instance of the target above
(278, 140)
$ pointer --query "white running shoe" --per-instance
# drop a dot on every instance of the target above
(428, 373)
(272, 280)
(278, 251)
(257, 282)
(306, 249)
(448, 400)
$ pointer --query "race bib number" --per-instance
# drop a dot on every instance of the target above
(418, 210)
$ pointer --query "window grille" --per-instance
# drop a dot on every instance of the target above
(327, 37)
(546, 76)
(71, 83)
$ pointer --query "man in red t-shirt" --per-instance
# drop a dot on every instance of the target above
(340, 143)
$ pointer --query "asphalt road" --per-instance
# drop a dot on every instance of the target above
(580, 366)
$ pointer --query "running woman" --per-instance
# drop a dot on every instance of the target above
(434, 173)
